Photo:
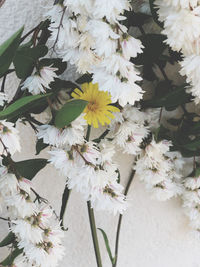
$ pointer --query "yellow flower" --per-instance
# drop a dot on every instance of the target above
(98, 108)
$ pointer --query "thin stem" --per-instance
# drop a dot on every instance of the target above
(92, 219)
(4, 219)
(120, 219)
(65, 198)
(2, 2)
(31, 31)
(94, 234)
(88, 133)
(3, 83)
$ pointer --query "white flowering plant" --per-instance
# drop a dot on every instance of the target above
(122, 82)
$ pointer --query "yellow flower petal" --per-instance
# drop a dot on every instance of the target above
(99, 108)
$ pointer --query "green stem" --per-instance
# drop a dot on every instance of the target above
(88, 133)
(120, 219)
(65, 198)
(94, 234)
(92, 219)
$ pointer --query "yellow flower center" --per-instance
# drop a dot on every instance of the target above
(99, 108)
(92, 106)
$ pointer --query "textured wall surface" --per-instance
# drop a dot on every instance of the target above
(154, 234)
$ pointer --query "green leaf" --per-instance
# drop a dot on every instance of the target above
(65, 199)
(161, 133)
(7, 51)
(9, 260)
(40, 146)
(29, 168)
(175, 122)
(154, 13)
(55, 63)
(69, 112)
(136, 19)
(59, 84)
(154, 46)
(107, 245)
(173, 99)
(197, 172)
(194, 145)
(86, 78)
(26, 58)
(22, 105)
(7, 240)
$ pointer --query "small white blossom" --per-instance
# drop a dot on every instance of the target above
(70, 135)
(160, 170)
(9, 138)
(37, 83)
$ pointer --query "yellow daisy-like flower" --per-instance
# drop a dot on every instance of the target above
(98, 108)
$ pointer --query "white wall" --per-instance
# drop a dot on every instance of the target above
(154, 234)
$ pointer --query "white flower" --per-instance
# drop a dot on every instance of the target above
(110, 9)
(191, 200)
(79, 6)
(107, 149)
(182, 3)
(123, 91)
(21, 261)
(9, 138)
(70, 135)
(90, 152)
(47, 75)
(102, 32)
(33, 84)
(131, 47)
(37, 83)
(130, 136)
(8, 183)
(20, 204)
(190, 68)
(3, 98)
(106, 193)
(63, 160)
(27, 231)
(160, 170)
(181, 27)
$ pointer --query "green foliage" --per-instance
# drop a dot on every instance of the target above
(8, 50)
(154, 10)
(86, 78)
(9, 260)
(136, 19)
(9, 239)
(24, 104)
(40, 146)
(59, 85)
(154, 47)
(171, 100)
(29, 168)
(65, 199)
(69, 112)
(55, 63)
(26, 58)
(112, 259)
(175, 122)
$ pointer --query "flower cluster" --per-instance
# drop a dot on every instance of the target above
(181, 25)
(129, 130)
(40, 81)
(9, 139)
(91, 36)
(36, 231)
(160, 170)
(191, 200)
(87, 166)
